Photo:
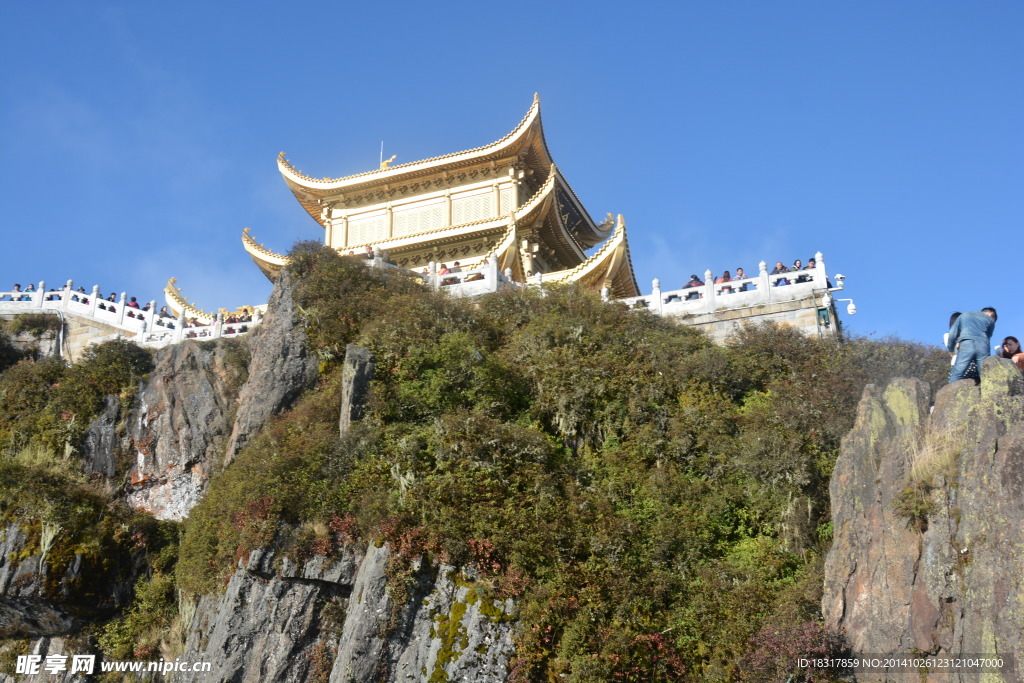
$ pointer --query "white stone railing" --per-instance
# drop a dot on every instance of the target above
(470, 282)
(148, 327)
(710, 297)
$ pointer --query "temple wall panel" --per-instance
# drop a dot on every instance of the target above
(419, 219)
(472, 207)
(367, 229)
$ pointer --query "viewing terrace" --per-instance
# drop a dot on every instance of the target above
(143, 325)
(147, 327)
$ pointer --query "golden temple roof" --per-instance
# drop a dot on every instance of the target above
(268, 261)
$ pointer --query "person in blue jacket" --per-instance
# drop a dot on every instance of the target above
(970, 337)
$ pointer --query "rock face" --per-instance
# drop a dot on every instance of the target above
(335, 621)
(179, 427)
(280, 369)
(38, 600)
(933, 567)
(101, 441)
(203, 401)
(356, 376)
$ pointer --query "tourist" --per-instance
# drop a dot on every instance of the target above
(972, 369)
(132, 303)
(444, 269)
(779, 269)
(797, 265)
(725, 278)
(28, 297)
(457, 268)
(1010, 349)
(741, 275)
(15, 294)
(368, 252)
(970, 336)
(164, 313)
(694, 282)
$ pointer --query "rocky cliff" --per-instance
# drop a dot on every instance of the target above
(927, 512)
(202, 402)
(335, 620)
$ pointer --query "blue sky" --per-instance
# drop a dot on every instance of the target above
(140, 138)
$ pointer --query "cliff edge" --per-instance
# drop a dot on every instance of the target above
(927, 512)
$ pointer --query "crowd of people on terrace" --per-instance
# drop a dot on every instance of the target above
(727, 277)
(133, 309)
(79, 295)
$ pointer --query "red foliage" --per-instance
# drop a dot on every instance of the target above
(774, 652)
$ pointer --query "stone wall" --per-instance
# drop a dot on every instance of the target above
(801, 314)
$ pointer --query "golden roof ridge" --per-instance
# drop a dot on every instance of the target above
(251, 245)
(599, 255)
(284, 164)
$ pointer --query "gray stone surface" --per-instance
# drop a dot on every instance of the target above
(357, 373)
(281, 621)
(101, 441)
(35, 603)
(281, 367)
(179, 427)
(953, 586)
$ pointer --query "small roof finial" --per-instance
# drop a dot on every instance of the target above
(536, 98)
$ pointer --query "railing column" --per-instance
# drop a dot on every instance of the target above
(709, 291)
(432, 276)
(42, 294)
(492, 273)
(94, 300)
(764, 286)
(151, 315)
(120, 313)
(218, 325)
(257, 316)
(180, 332)
(67, 295)
(508, 274)
(604, 294)
(820, 276)
(656, 295)
(378, 258)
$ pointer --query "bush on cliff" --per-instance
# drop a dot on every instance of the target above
(651, 499)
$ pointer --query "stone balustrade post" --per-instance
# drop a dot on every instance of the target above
(432, 280)
(659, 301)
(218, 325)
(820, 276)
(508, 274)
(764, 285)
(179, 332)
(150, 315)
(68, 288)
(709, 291)
(539, 279)
(604, 294)
(41, 294)
(121, 307)
(378, 258)
(492, 273)
(257, 317)
(94, 300)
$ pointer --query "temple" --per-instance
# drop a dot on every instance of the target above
(505, 202)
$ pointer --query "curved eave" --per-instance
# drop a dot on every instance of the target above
(178, 302)
(309, 190)
(269, 262)
(611, 266)
(587, 233)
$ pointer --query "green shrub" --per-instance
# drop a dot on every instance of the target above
(651, 499)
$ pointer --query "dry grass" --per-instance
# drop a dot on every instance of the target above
(936, 453)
